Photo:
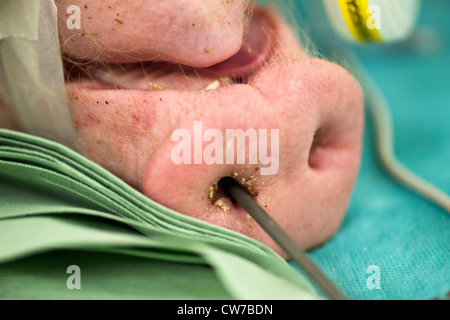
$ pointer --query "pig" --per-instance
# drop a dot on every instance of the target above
(139, 71)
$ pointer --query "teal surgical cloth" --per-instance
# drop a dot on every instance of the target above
(387, 226)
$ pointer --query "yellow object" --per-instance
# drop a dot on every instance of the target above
(365, 21)
(358, 16)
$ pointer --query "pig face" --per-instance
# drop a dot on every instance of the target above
(160, 91)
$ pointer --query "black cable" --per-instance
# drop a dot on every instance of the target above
(280, 237)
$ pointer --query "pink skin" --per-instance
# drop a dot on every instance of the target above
(316, 105)
(142, 30)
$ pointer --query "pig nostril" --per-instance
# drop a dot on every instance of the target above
(218, 197)
(216, 192)
(224, 191)
(221, 192)
(317, 150)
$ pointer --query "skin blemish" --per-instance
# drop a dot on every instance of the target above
(249, 223)
(216, 199)
(118, 21)
(90, 120)
(207, 51)
(221, 203)
(212, 192)
(248, 183)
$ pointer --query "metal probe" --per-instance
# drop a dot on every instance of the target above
(280, 237)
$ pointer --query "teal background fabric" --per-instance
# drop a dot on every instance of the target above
(388, 226)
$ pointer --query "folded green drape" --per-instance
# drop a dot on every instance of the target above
(59, 209)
